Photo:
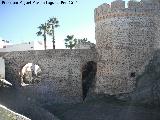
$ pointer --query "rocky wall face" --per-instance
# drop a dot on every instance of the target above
(125, 44)
(157, 24)
(61, 72)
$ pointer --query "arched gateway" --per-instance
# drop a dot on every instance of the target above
(60, 71)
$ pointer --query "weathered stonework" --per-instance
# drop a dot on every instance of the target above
(126, 39)
(61, 71)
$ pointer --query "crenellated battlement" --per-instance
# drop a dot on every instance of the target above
(118, 9)
(121, 14)
(126, 38)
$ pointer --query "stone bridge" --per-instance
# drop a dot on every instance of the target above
(61, 75)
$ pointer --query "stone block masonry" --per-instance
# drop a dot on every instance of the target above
(61, 72)
(126, 39)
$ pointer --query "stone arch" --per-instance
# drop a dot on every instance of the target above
(88, 75)
(30, 73)
(22, 64)
(15, 61)
(30, 61)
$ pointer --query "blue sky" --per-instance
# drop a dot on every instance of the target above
(18, 23)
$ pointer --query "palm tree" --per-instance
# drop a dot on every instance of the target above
(70, 42)
(54, 23)
(43, 30)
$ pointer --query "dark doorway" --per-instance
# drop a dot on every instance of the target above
(88, 75)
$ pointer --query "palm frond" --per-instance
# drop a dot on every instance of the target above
(57, 25)
(75, 40)
(39, 33)
(54, 19)
(39, 27)
(66, 40)
(57, 22)
(70, 37)
(49, 33)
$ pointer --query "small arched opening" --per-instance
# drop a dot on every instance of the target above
(30, 74)
(88, 76)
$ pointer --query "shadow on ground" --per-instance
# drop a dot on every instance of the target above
(99, 107)
(104, 108)
(20, 103)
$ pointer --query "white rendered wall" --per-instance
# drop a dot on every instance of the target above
(34, 45)
(18, 47)
(38, 45)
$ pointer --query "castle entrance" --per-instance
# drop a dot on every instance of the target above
(88, 76)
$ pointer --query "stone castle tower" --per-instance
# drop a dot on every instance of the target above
(126, 39)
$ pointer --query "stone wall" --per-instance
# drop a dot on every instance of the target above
(126, 39)
(2, 68)
(148, 83)
(61, 72)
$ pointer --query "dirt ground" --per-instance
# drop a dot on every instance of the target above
(104, 109)
(20, 103)
(97, 108)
